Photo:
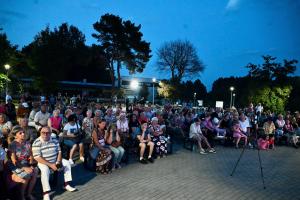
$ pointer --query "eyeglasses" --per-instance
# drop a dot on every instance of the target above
(45, 132)
(21, 132)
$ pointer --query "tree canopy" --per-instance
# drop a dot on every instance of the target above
(122, 44)
(180, 58)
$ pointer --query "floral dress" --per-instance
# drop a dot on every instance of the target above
(160, 142)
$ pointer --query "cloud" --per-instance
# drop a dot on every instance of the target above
(14, 14)
(232, 5)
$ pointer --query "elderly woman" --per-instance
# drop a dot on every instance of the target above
(55, 123)
(97, 117)
(158, 138)
(5, 126)
(87, 124)
(22, 160)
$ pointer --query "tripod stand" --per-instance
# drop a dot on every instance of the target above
(259, 158)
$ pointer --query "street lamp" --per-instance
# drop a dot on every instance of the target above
(195, 94)
(134, 84)
(153, 81)
(233, 98)
(7, 67)
(231, 90)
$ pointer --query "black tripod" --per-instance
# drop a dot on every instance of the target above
(261, 169)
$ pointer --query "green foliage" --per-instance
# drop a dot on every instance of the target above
(122, 44)
(272, 98)
(3, 80)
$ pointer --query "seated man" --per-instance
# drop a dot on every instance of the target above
(41, 118)
(196, 134)
(46, 151)
(145, 140)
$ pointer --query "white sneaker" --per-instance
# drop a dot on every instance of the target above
(70, 188)
(82, 159)
(46, 197)
(71, 162)
(212, 151)
(202, 151)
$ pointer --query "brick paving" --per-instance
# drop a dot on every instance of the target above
(189, 175)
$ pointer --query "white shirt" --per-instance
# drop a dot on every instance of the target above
(71, 129)
(42, 118)
(195, 129)
(244, 125)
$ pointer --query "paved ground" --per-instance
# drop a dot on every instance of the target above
(189, 175)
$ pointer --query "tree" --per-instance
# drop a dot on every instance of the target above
(179, 57)
(8, 52)
(272, 70)
(272, 98)
(165, 89)
(122, 44)
(56, 55)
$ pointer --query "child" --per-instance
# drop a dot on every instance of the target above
(263, 143)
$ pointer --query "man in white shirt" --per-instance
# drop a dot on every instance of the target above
(196, 134)
(41, 118)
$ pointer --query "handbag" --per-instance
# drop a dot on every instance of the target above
(115, 144)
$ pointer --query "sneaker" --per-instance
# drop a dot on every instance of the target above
(202, 151)
(118, 166)
(46, 197)
(70, 188)
(212, 151)
(143, 161)
(151, 160)
(82, 159)
(71, 162)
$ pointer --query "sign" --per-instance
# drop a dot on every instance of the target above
(219, 104)
(200, 102)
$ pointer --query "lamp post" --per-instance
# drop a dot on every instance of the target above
(153, 81)
(231, 90)
(195, 94)
(7, 67)
(233, 98)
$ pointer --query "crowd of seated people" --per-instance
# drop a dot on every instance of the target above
(38, 137)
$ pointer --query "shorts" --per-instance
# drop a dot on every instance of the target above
(71, 143)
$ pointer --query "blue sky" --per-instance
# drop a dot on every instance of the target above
(228, 34)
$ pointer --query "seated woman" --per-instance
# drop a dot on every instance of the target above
(196, 134)
(158, 138)
(114, 141)
(134, 126)
(238, 134)
(269, 129)
(72, 138)
(289, 130)
(104, 154)
(5, 127)
(55, 122)
(145, 141)
(22, 161)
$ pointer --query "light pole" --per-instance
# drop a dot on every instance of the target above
(153, 81)
(7, 67)
(195, 94)
(231, 90)
(233, 98)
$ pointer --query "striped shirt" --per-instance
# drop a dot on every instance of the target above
(48, 150)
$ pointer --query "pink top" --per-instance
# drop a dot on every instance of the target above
(56, 122)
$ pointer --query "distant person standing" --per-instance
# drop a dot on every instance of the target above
(259, 108)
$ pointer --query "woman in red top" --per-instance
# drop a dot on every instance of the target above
(55, 122)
